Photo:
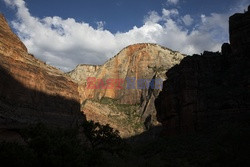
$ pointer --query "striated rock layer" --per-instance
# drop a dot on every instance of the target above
(204, 90)
(129, 74)
(30, 90)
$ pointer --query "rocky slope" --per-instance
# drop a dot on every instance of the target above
(30, 90)
(133, 69)
(209, 88)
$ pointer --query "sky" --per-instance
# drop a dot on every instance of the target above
(67, 33)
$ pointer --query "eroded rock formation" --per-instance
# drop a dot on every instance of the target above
(30, 90)
(132, 68)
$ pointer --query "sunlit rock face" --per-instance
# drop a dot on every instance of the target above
(30, 90)
(131, 78)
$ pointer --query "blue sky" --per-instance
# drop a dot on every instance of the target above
(118, 15)
(67, 33)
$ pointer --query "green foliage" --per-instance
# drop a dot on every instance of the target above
(62, 147)
(226, 144)
(158, 69)
(56, 147)
(106, 100)
(130, 111)
(103, 137)
(133, 118)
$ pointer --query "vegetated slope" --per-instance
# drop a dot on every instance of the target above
(129, 103)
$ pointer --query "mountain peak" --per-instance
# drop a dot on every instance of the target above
(8, 38)
(143, 61)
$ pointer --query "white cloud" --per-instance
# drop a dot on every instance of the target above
(173, 1)
(153, 17)
(188, 20)
(100, 25)
(168, 13)
(203, 18)
(65, 43)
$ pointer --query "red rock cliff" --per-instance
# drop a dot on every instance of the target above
(129, 103)
(30, 90)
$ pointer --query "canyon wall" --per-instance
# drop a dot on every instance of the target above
(32, 91)
(208, 88)
(131, 72)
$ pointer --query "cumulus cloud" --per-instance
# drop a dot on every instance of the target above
(187, 20)
(64, 43)
(167, 13)
(173, 1)
(153, 17)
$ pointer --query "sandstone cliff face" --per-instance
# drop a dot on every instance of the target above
(140, 61)
(83, 71)
(30, 90)
(80, 75)
(207, 88)
(132, 68)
